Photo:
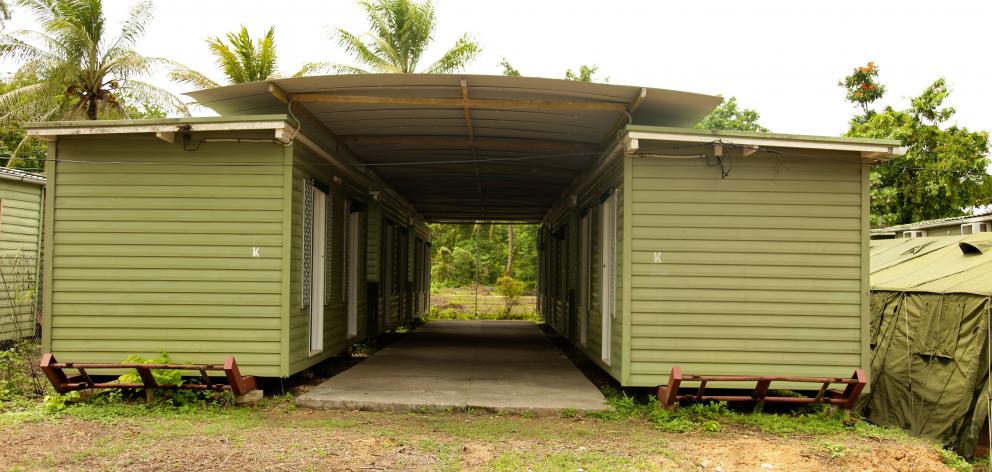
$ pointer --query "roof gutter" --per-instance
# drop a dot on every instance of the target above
(26, 177)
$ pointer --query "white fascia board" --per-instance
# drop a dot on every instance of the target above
(880, 151)
(51, 134)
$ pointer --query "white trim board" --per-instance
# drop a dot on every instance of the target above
(160, 130)
(869, 151)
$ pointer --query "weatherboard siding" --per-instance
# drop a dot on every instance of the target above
(758, 273)
(20, 233)
(159, 258)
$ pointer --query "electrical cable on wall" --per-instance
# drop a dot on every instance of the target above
(726, 163)
(299, 124)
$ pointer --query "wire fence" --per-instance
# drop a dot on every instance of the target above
(18, 286)
(462, 303)
(20, 346)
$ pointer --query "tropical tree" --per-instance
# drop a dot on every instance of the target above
(4, 11)
(862, 86)
(401, 31)
(76, 65)
(944, 171)
(239, 57)
(585, 73)
(73, 69)
(508, 68)
(729, 116)
(464, 251)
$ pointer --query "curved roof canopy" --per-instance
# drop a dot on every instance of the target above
(466, 147)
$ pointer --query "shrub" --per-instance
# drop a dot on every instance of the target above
(20, 376)
(511, 289)
(711, 417)
(56, 403)
(171, 397)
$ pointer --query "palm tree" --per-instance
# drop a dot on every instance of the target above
(401, 32)
(242, 60)
(73, 69)
(4, 11)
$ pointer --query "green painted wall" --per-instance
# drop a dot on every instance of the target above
(144, 258)
(374, 236)
(20, 235)
(759, 273)
(335, 308)
(555, 309)
(151, 258)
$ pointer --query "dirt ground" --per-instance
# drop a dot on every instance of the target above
(280, 437)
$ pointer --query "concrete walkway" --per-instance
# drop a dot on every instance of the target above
(508, 366)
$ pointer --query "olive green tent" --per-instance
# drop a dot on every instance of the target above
(929, 333)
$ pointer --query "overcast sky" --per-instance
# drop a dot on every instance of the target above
(783, 58)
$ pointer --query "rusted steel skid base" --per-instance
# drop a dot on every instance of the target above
(55, 371)
(668, 395)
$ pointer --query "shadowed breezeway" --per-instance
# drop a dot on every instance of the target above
(507, 366)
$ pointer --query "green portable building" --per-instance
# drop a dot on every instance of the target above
(931, 302)
(21, 196)
(662, 245)
(210, 237)
(720, 252)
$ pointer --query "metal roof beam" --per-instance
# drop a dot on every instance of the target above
(490, 144)
(458, 102)
(467, 111)
(522, 221)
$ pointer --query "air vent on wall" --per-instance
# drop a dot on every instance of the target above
(914, 234)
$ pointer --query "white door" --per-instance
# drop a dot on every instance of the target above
(607, 281)
(318, 252)
(353, 239)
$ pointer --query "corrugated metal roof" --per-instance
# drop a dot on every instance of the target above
(935, 265)
(982, 216)
(467, 147)
(21, 176)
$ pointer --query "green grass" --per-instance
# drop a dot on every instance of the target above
(525, 460)
(954, 461)
(635, 434)
(447, 454)
(711, 417)
(835, 450)
(460, 304)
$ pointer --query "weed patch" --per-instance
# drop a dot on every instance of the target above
(713, 416)
(835, 450)
(20, 376)
(437, 313)
(954, 461)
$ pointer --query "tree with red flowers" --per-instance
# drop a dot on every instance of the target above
(944, 172)
(862, 87)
